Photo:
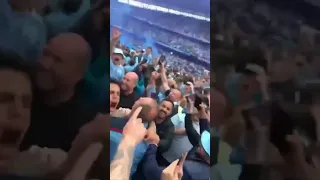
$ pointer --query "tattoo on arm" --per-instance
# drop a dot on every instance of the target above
(122, 162)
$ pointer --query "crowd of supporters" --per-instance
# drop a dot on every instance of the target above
(52, 102)
(159, 106)
(265, 99)
(161, 27)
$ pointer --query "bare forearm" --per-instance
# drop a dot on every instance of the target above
(181, 131)
(164, 80)
(122, 162)
(113, 43)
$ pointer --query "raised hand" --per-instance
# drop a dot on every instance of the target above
(116, 33)
(190, 106)
(134, 130)
(152, 136)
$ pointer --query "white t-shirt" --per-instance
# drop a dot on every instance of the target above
(180, 143)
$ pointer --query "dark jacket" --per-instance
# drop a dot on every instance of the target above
(165, 130)
(192, 134)
(194, 167)
(192, 170)
(194, 137)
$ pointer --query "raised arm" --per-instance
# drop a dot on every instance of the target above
(115, 38)
(122, 162)
(164, 78)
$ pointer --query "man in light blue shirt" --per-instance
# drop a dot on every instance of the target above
(117, 71)
(148, 55)
(130, 68)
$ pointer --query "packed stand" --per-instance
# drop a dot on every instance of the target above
(159, 118)
(265, 109)
(199, 29)
(52, 103)
(193, 7)
(176, 63)
(167, 37)
(181, 65)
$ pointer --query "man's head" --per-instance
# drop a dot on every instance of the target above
(149, 109)
(63, 63)
(149, 50)
(114, 96)
(117, 57)
(165, 109)
(188, 88)
(248, 86)
(129, 82)
(15, 105)
(175, 95)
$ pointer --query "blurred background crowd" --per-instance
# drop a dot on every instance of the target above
(266, 69)
(51, 100)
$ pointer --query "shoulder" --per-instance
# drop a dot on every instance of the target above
(178, 118)
(117, 124)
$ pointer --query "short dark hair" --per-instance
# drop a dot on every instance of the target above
(10, 60)
(168, 100)
(114, 82)
(149, 48)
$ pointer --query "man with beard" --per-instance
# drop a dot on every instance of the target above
(60, 107)
(148, 113)
(165, 128)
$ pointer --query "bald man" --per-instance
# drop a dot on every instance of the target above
(147, 114)
(59, 107)
(127, 95)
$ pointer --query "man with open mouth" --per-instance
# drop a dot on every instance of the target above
(114, 96)
(165, 128)
(15, 108)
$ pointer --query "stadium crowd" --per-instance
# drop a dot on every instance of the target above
(159, 108)
(52, 103)
(265, 100)
(194, 41)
